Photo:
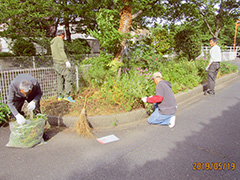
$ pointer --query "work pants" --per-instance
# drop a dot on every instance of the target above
(64, 80)
(212, 74)
(157, 118)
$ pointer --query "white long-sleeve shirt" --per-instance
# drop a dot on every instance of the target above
(215, 54)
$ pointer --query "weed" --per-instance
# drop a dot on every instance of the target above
(4, 113)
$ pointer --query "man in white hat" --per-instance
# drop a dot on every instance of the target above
(164, 102)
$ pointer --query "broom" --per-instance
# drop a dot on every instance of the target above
(82, 125)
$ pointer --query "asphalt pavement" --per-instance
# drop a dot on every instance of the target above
(206, 134)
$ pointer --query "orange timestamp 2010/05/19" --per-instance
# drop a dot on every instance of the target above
(214, 166)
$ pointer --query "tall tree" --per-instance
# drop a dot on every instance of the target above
(33, 20)
(215, 13)
(134, 10)
(124, 14)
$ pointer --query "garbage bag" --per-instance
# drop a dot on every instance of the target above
(27, 135)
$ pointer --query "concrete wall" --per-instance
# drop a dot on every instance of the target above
(11, 63)
(8, 63)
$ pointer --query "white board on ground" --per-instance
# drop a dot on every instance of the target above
(107, 139)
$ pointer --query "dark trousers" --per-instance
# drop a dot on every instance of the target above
(212, 74)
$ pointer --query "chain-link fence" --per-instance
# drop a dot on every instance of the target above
(46, 77)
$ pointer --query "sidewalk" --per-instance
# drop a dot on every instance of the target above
(183, 99)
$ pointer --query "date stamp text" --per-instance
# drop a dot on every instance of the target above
(214, 166)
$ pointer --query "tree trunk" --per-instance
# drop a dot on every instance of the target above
(67, 29)
(125, 24)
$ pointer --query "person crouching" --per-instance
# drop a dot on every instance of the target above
(165, 105)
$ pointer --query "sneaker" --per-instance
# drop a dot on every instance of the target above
(60, 98)
(208, 93)
(172, 122)
(69, 99)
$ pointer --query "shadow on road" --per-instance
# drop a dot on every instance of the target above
(216, 142)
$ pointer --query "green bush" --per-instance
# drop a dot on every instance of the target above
(22, 47)
(129, 89)
(201, 65)
(4, 113)
(141, 55)
(188, 42)
(136, 82)
(78, 48)
(6, 54)
(161, 40)
(107, 33)
(227, 68)
(98, 69)
(183, 75)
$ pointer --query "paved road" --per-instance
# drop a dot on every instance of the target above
(207, 131)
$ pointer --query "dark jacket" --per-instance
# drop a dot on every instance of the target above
(16, 95)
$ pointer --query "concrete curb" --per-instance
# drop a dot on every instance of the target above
(183, 99)
(186, 98)
(100, 120)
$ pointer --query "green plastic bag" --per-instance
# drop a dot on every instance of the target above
(27, 135)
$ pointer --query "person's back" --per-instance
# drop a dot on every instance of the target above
(62, 67)
(57, 49)
(168, 105)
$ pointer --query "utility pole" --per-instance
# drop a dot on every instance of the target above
(235, 37)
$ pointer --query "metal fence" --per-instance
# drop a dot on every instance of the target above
(45, 74)
(46, 77)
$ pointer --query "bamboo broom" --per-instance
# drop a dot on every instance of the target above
(82, 125)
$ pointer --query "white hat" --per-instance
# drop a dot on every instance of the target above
(157, 75)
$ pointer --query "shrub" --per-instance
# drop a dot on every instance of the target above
(136, 82)
(141, 55)
(6, 54)
(227, 68)
(188, 42)
(183, 75)
(201, 65)
(107, 34)
(162, 41)
(127, 92)
(98, 70)
(4, 113)
(22, 47)
(78, 48)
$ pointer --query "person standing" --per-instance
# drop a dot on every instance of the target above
(165, 105)
(62, 67)
(24, 87)
(213, 66)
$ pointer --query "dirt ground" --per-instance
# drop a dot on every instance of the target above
(94, 106)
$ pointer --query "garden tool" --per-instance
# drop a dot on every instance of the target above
(82, 125)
